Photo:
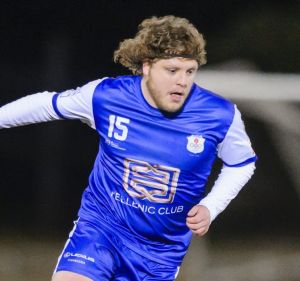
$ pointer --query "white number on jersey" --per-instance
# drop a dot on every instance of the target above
(119, 123)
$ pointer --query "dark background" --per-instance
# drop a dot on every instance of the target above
(58, 45)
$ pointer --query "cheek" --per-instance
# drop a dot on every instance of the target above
(160, 83)
(159, 77)
(166, 81)
(190, 83)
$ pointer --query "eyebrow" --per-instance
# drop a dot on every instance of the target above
(178, 67)
(193, 68)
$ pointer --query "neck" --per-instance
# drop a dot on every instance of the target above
(146, 93)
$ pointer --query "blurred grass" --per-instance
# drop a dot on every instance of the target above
(26, 259)
(260, 259)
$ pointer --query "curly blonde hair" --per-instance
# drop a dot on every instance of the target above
(159, 38)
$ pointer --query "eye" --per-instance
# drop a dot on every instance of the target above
(171, 70)
(191, 71)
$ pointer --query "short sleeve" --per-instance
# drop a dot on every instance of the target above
(236, 150)
(76, 104)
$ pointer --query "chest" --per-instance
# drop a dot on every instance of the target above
(187, 142)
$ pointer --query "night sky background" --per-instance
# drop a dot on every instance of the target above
(59, 45)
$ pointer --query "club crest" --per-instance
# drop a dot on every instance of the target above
(195, 143)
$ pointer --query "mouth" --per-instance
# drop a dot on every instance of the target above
(176, 96)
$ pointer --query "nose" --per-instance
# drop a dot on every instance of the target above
(182, 80)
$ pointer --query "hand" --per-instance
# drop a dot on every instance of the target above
(198, 220)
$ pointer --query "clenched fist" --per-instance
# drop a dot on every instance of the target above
(198, 220)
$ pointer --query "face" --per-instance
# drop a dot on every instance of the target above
(166, 83)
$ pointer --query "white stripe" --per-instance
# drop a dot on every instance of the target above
(177, 272)
(66, 244)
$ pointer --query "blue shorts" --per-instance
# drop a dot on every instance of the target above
(101, 256)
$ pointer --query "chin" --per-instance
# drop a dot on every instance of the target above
(171, 111)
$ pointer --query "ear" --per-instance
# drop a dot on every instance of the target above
(146, 68)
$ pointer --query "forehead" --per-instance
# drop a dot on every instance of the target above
(177, 62)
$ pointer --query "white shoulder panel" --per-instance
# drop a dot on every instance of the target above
(236, 146)
(77, 104)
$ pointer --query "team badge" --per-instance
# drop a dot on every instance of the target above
(195, 143)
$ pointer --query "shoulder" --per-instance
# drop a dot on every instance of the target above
(211, 100)
(116, 90)
(125, 82)
(210, 96)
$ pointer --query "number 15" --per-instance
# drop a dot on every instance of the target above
(118, 122)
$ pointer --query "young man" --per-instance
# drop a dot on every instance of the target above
(159, 136)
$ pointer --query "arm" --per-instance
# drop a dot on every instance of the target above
(229, 183)
(27, 110)
(238, 158)
(48, 106)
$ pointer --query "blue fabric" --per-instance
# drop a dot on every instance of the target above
(98, 254)
(151, 169)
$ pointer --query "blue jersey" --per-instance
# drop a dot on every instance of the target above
(151, 168)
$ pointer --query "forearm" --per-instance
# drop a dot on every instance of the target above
(31, 109)
(229, 183)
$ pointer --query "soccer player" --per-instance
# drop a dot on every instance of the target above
(159, 136)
